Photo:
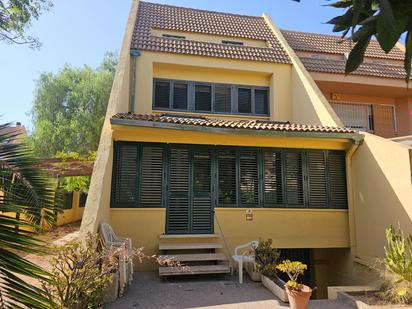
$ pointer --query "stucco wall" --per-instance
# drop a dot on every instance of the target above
(382, 193)
(75, 213)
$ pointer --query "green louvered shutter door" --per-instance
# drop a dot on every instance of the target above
(227, 179)
(125, 171)
(293, 179)
(317, 186)
(249, 187)
(272, 179)
(178, 208)
(151, 177)
(337, 179)
(202, 208)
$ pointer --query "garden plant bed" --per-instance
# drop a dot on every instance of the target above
(276, 286)
(366, 299)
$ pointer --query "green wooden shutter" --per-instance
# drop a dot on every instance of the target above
(272, 178)
(161, 94)
(261, 101)
(180, 95)
(151, 177)
(124, 181)
(293, 179)
(68, 200)
(82, 199)
(178, 208)
(202, 207)
(249, 182)
(317, 183)
(227, 178)
(337, 179)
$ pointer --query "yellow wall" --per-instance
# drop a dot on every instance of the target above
(382, 193)
(311, 228)
(73, 214)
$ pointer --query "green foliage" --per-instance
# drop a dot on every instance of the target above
(16, 16)
(398, 261)
(387, 20)
(293, 270)
(24, 191)
(75, 183)
(266, 258)
(80, 275)
(69, 108)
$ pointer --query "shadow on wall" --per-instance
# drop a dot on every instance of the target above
(382, 193)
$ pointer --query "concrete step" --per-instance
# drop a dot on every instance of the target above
(188, 236)
(197, 257)
(189, 246)
(194, 270)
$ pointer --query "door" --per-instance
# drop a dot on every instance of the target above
(190, 207)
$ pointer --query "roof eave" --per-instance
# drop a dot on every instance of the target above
(356, 138)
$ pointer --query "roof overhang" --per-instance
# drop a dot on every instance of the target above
(355, 137)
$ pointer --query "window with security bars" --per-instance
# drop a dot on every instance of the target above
(203, 97)
(160, 175)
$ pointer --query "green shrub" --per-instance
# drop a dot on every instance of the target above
(266, 258)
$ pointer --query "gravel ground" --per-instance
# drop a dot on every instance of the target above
(223, 292)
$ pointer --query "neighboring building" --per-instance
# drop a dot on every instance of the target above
(16, 132)
(215, 126)
(375, 98)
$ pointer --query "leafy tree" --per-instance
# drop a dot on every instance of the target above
(25, 191)
(387, 20)
(16, 17)
(69, 108)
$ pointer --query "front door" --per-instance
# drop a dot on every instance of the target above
(190, 208)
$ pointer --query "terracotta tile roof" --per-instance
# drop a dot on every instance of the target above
(151, 15)
(323, 43)
(365, 69)
(231, 124)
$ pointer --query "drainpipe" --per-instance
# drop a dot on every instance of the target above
(134, 53)
(351, 210)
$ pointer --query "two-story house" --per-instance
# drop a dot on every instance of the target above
(216, 134)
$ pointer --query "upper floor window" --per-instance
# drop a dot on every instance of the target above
(210, 97)
(232, 42)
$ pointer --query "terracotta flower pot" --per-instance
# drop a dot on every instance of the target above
(299, 299)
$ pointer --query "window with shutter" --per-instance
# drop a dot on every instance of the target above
(203, 98)
(151, 177)
(178, 210)
(124, 183)
(223, 99)
(261, 101)
(202, 207)
(180, 95)
(293, 179)
(227, 178)
(272, 179)
(161, 94)
(244, 100)
(337, 179)
(68, 200)
(317, 183)
(82, 199)
(249, 186)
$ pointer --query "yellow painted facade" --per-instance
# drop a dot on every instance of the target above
(379, 186)
(75, 213)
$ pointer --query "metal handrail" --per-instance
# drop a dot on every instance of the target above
(223, 237)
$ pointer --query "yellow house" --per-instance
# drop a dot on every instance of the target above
(216, 135)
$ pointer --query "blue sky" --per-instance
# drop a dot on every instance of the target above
(79, 32)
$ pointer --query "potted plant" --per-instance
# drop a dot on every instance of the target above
(298, 294)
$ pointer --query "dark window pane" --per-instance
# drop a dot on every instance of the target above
(203, 98)
(293, 179)
(337, 179)
(68, 200)
(248, 178)
(227, 178)
(244, 100)
(161, 95)
(83, 199)
(180, 96)
(223, 99)
(261, 101)
(316, 168)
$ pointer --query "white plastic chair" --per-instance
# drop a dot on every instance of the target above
(246, 256)
(124, 252)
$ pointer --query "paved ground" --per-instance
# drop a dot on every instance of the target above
(148, 291)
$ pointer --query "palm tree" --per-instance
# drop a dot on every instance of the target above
(27, 198)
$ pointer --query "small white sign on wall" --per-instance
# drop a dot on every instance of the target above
(249, 214)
